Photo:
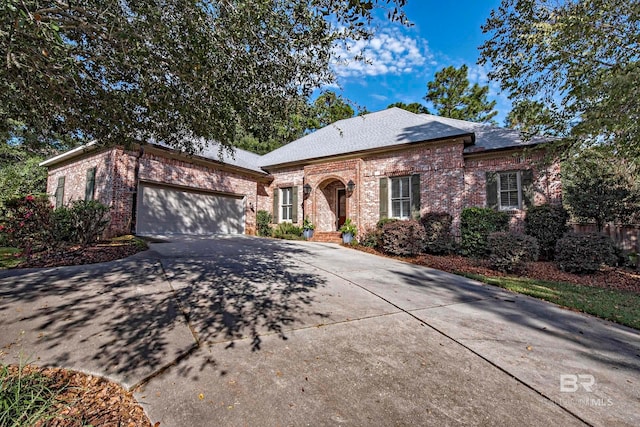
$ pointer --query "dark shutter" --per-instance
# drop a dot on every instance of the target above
(526, 182)
(415, 196)
(90, 186)
(294, 205)
(492, 190)
(60, 192)
(276, 205)
(384, 198)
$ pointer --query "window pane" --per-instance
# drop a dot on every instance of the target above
(395, 188)
(395, 209)
(405, 186)
(405, 209)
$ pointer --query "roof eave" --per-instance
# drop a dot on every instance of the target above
(70, 154)
(466, 138)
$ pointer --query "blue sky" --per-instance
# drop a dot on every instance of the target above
(404, 59)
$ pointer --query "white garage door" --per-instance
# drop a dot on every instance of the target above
(167, 210)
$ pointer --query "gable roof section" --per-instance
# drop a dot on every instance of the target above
(386, 128)
(489, 137)
(214, 151)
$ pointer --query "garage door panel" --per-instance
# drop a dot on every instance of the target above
(164, 210)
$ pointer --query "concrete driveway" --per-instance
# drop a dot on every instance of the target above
(248, 331)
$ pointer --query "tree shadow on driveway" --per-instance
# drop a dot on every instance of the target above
(123, 319)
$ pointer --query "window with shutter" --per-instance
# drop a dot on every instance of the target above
(286, 204)
(89, 190)
(60, 192)
(401, 197)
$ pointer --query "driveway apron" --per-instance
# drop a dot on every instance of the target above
(235, 330)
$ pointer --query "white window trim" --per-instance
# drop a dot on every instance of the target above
(401, 198)
(282, 205)
(519, 189)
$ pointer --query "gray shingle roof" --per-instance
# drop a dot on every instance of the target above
(240, 158)
(488, 137)
(385, 128)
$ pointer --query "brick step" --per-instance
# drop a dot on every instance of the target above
(327, 237)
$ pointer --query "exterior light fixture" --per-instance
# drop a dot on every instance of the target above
(306, 189)
(351, 186)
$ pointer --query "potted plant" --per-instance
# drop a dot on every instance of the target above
(307, 228)
(348, 230)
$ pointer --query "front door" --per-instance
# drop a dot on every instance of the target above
(342, 207)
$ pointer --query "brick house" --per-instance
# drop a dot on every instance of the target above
(391, 163)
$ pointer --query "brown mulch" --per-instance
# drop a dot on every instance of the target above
(89, 400)
(608, 277)
(76, 255)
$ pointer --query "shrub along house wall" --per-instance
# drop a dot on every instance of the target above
(538, 184)
(104, 175)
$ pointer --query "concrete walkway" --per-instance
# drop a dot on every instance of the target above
(247, 331)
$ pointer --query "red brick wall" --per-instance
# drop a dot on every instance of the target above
(282, 178)
(441, 179)
(113, 183)
(183, 172)
(546, 179)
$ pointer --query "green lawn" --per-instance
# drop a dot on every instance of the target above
(8, 258)
(618, 306)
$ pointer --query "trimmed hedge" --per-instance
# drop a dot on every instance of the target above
(547, 223)
(438, 237)
(402, 238)
(475, 226)
(584, 253)
(510, 252)
(286, 230)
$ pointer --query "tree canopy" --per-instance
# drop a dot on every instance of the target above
(414, 107)
(170, 70)
(531, 118)
(453, 96)
(601, 187)
(328, 108)
(579, 58)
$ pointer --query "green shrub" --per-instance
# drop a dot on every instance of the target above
(475, 226)
(263, 220)
(371, 238)
(510, 252)
(89, 219)
(62, 225)
(547, 223)
(584, 253)
(438, 238)
(27, 223)
(402, 238)
(286, 230)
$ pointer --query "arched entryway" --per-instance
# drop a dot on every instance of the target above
(330, 204)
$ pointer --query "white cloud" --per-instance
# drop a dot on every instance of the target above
(388, 52)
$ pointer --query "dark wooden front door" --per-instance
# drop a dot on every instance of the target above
(342, 207)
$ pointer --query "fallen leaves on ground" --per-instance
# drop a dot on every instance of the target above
(90, 400)
(76, 255)
(608, 277)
